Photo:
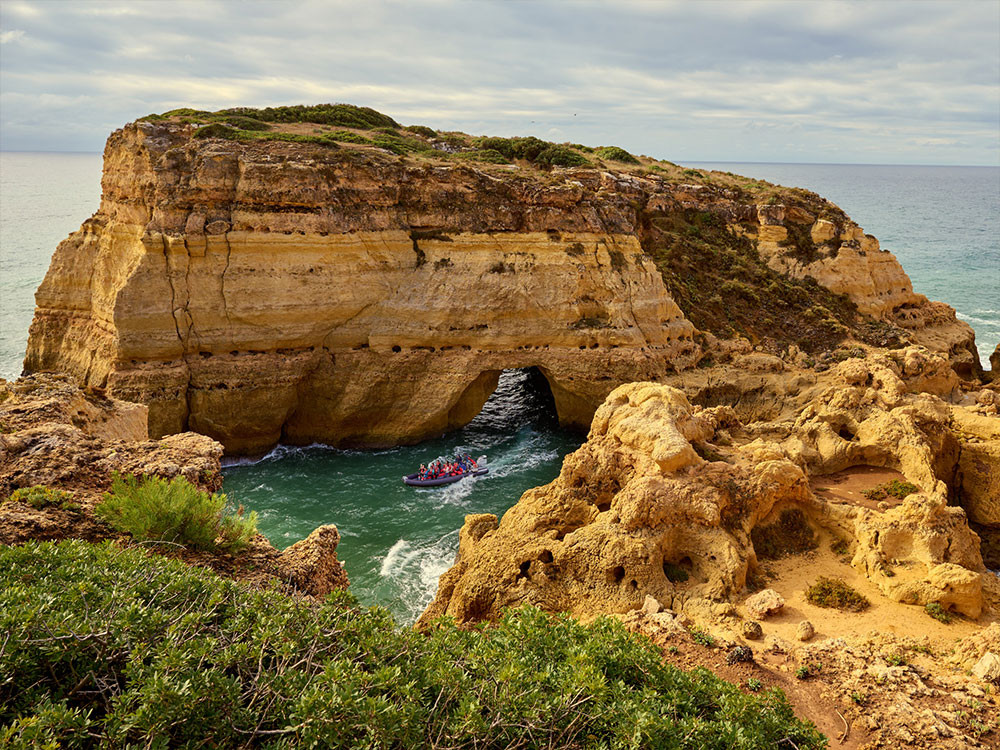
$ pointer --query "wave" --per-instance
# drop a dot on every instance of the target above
(974, 319)
(412, 571)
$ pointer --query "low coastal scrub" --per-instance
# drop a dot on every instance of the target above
(723, 285)
(114, 647)
(154, 509)
(613, 153)
(834, 593)
(534, 150)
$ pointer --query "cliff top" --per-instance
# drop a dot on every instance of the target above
(362, 129)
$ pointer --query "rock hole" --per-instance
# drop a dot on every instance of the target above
(397, 348)
(618, 573)
(523, 570)
(545, 557)
(606, 505)
(845, 433)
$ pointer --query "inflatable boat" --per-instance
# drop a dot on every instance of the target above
(480, 470)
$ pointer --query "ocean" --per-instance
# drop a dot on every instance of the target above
(943, 224)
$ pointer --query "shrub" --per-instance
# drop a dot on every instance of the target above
(834, 593)
(216, 130)
(534, 150)
(893, 488)
(40, 497)
(938, 612)
(124, 646)
(175, 511)
(613, 153)
(423, 130)
(790, 535)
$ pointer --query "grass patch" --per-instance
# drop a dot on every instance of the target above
(338, 115)
(154, 509)
(790, 535)
(835, 594)
(894, 488)
(128, 647)
(219, 130)
(40, 497)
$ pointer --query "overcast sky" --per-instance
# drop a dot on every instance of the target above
(867, 82)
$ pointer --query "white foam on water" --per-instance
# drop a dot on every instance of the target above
(413, 568)
(974, 319)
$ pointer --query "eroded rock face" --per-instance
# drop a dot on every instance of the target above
(263, 291)
(638, 511)
(56, 434)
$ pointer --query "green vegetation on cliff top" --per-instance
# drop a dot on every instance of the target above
(110, 647)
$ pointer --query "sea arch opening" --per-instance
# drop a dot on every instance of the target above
(505, 400)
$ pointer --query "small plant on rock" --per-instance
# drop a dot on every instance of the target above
(753, 684)
(938, 612)
(702, 638)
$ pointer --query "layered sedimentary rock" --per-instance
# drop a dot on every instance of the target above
(662, 486)
(267, 291)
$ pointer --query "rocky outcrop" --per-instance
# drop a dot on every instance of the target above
(264, 290)
(667, 499)
(311, 565)
(72, 441)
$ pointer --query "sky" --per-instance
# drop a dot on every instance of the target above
(891, 82)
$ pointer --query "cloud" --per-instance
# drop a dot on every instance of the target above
(6, 37)
(752, 80)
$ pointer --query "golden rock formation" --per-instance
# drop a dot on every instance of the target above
(666, 499)
(265, 291)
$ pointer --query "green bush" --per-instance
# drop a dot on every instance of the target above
(151, 508)
(613, 153)
(245, 123)
(40, 497)
(123, 646)
(834, 593)
(216, 130)
(423, 130)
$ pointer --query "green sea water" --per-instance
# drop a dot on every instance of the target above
(942, 223)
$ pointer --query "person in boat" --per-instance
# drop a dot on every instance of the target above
(422, 474)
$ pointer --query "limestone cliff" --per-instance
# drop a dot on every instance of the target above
(263, 290)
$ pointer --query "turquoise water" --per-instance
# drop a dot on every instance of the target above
(942, 223)
(397, 540)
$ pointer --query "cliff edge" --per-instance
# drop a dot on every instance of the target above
(266, 275)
